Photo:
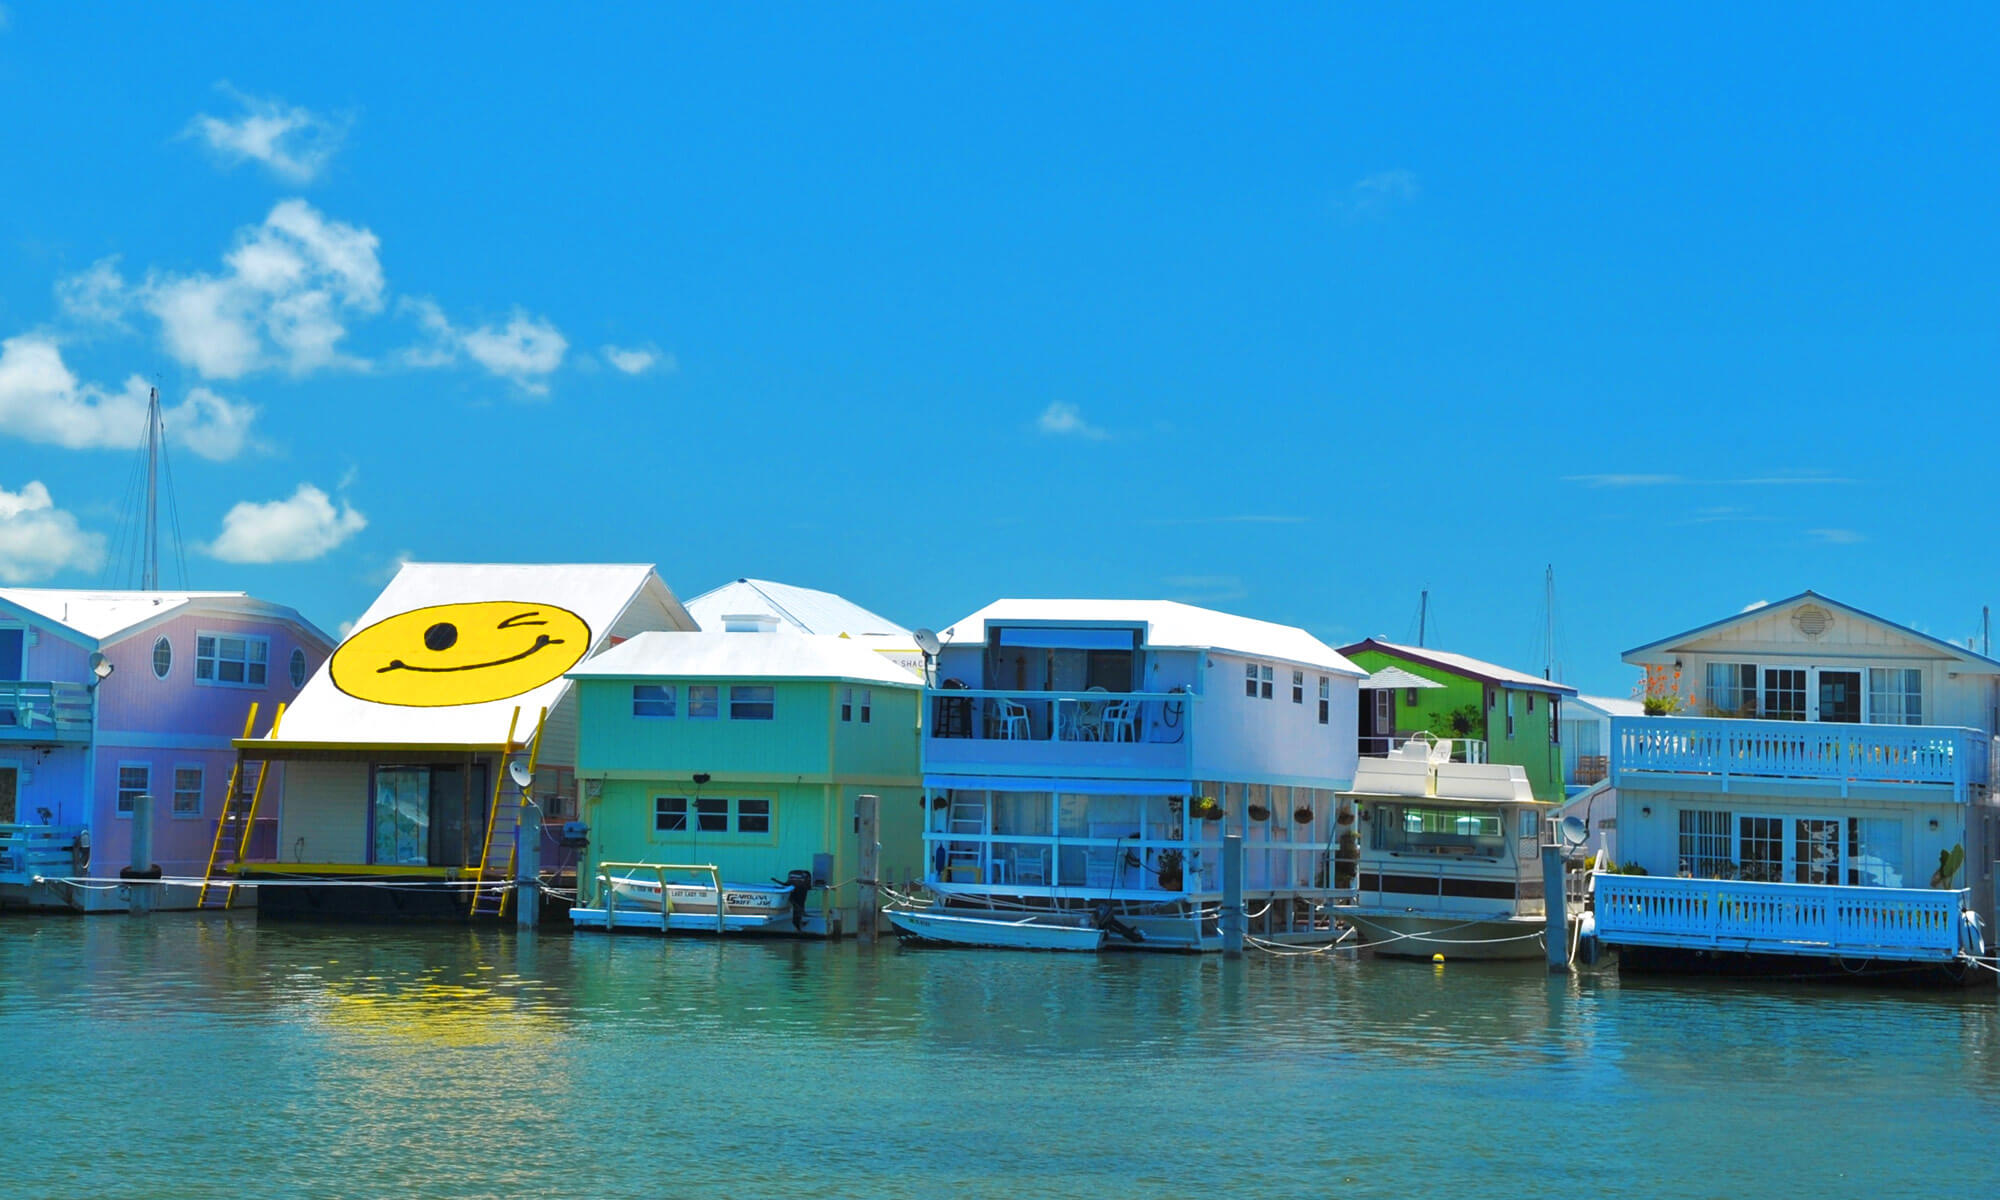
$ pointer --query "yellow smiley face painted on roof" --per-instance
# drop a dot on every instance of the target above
(450, 654)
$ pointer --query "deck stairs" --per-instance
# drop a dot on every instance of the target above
(238, 820)
(966, 817)
(494, 885)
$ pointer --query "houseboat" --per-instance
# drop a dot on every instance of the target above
(111, 700)
(1084, 759)
(439, 732)
(722, 773)
(1449, 858)
(1816, 800)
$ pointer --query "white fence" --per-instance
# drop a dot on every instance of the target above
(1940, 756)
(1779, 918)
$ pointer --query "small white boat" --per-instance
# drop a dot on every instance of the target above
(740, 899)
(1029, 931)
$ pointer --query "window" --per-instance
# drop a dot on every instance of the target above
(753, 816)
(1895, 696)
(1257, 681)
(1409, 697)
(1760, 849)
(1531, 702)
(1385, 712)
(227, 659)
(653, 700)
(1704, 849)
(867, 705)
(1874, 852)
(1298, 687)
(1555, 720)
(297, 667)
(703, 702)
(163, 657)
(711, 814)
(1510, 714)
(1731, 689)
(134, 780)
(752, 703)
(1325, 698)
(847, 696)
(1785, 694)
(670, 814)
(847, 704)
(187, 791)
(1440, 831)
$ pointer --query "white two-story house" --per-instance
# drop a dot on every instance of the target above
(1823, 791)
(1092, 754)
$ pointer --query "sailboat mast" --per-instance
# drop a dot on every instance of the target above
(1423, 613)
(149, 571)
(1549, 623)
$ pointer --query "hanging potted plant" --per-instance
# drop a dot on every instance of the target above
(1302, 815)
(1170, 870)
(1344, 817)
(1206, 809)
(938, 803)
(1258, 812)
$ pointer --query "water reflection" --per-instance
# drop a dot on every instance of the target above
(453, 1062)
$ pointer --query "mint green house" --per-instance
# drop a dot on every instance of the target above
(745, 750)
(1494, 713)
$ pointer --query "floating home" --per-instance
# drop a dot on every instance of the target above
(400, 756)
(110, 700)
(1084, 760)
(733, 763)
(1488, 712)
(1820, 800)
(752, 604)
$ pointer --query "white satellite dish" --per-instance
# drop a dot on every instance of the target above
(927, 641)
(1574, 832)
(519, 773)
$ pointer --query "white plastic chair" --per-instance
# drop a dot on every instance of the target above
(1117, 725)
(1013, 719)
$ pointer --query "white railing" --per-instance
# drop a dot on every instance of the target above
(1463, 750)
(1045, 865)
(27, 851)
(961, 713)
(39, 709)
(1779, 918)
(1937, 756)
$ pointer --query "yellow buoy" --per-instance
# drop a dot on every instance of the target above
(1438, 959)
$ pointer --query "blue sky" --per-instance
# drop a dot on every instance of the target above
(1295, 313)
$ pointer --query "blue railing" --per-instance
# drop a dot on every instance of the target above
(41, 710)
(1929, 756)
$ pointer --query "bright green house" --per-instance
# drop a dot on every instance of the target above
(747, 750)
(1516, 716)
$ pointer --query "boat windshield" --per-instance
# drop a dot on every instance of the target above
(1416, 830)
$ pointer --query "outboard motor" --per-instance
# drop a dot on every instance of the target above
(801, 883)
(1101, 916)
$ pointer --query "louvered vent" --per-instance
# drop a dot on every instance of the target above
(1811, 620)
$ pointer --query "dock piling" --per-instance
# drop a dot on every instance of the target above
(1232, 895)
(1555, 904)
(528, 867)
(867, 810)
(139, 876)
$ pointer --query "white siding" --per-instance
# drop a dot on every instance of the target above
(1275, 740)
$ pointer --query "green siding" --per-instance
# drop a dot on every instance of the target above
(1529, 748)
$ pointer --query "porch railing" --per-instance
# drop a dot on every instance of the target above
(44, 710)
(1463, 750)
(1929, 756)
(30, 850)
(1022, 716)
(1779, 918)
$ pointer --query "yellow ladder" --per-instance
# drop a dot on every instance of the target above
(504, 819)
(236, 821)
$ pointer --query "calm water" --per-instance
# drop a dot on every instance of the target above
(197, 1056)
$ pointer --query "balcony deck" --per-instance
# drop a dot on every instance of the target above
(1102, 734)
(1942, 762)
(1913, 924)
(39, 710)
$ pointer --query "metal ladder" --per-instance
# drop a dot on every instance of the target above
(237, 820)
(494, 886)
(968, 817)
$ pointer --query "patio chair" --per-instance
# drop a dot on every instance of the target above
(1117, 724)
(1013, 719)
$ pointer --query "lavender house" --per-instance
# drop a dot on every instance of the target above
(111, 699)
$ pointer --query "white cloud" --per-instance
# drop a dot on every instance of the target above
(295, 530)
(1380, 191)
(1061, 419)
(99, 294)
(526, 350)
(1601, 481)
(1837, 537)
(41, 400)
(291, 142)
(637, 360)
(37, 539)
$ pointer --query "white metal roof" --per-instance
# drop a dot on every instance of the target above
(1464, 664)
(803, 609)
(599, 594)
(106, 614)
(1169, 625)
(1610, 706)
(778, 655)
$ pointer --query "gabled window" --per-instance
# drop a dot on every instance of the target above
(653, 700)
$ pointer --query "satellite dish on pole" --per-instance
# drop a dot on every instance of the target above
(927, 641)
(1574, 832)
(519, 773)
